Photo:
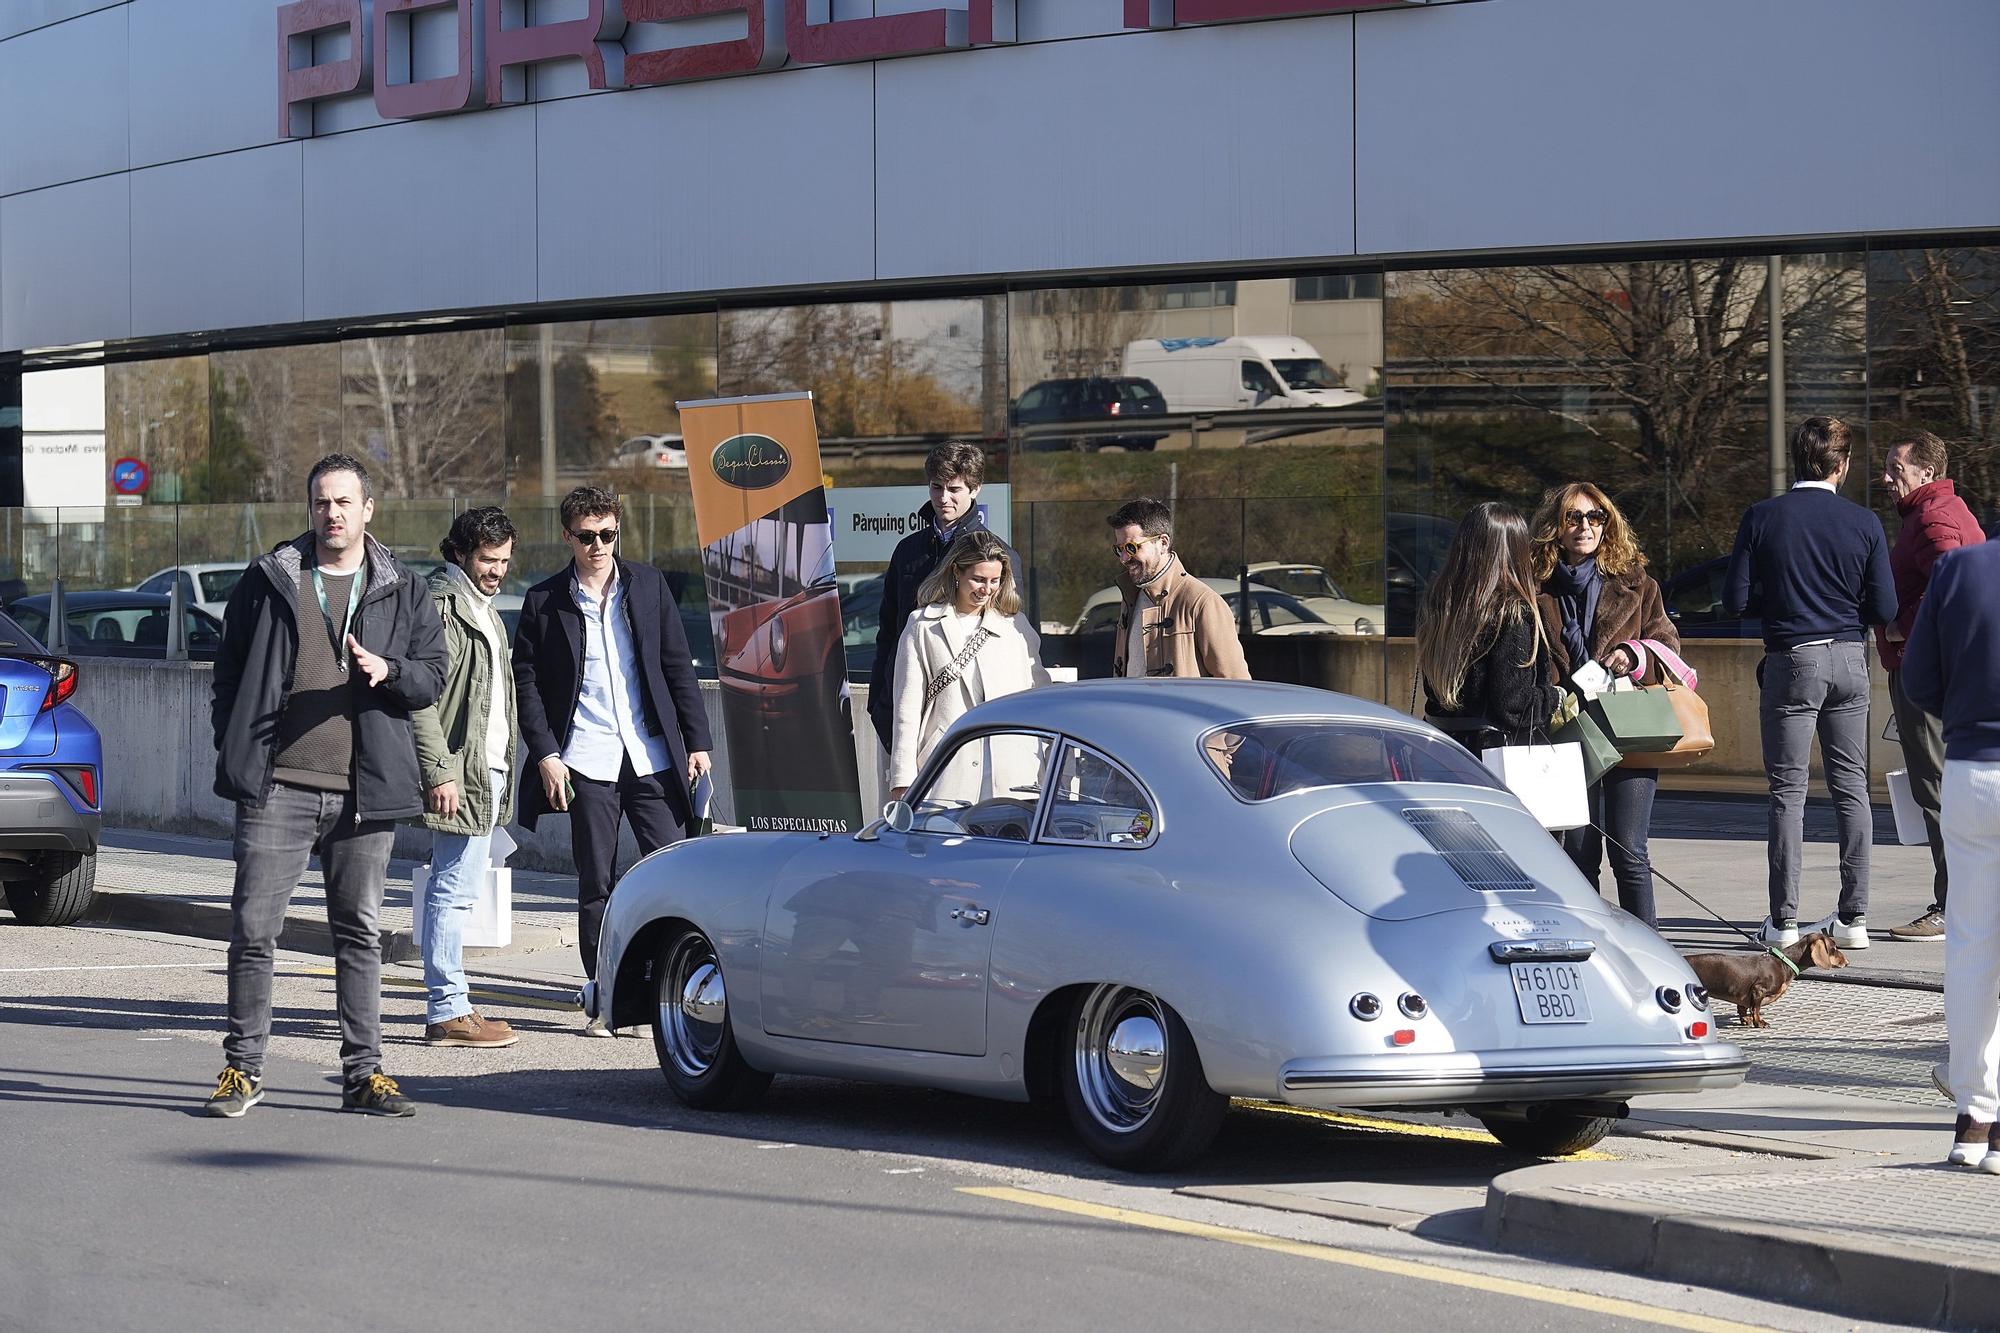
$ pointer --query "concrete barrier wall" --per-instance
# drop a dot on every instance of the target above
(159, 761)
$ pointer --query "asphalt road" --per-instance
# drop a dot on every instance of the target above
(556, 1184)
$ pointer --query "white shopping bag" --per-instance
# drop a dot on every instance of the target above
(1910, 830)
(491, 924)
(1547, 778)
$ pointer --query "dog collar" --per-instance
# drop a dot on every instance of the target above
(1775, 953)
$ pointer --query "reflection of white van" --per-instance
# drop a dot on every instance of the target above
(1237, 374)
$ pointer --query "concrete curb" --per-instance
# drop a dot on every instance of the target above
(1531, 1212)
(301, 934)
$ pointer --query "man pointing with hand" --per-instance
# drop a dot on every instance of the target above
(328, 646)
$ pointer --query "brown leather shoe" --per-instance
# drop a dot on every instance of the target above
(470, 1030)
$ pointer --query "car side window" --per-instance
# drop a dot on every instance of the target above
(157, 583)
(1032, 399)
(1094, 800)
(989, 786)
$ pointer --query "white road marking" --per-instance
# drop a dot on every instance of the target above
(115, 967)
(156, 1039)
(902, 1171)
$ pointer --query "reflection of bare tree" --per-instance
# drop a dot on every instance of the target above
(1935, 357)
(428, 409)
(1660, 362)
(286, 403)
(1073, 331)
(864, 381)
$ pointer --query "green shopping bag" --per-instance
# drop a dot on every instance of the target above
(1600, 756)
(1637, 721)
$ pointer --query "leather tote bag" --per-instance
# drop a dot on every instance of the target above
(1697, 740)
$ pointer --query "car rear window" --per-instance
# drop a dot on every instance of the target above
(1138, 391)
(1263, 760)
(15, 639)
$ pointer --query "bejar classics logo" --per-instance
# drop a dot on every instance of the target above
(751, 462)
(497, 46)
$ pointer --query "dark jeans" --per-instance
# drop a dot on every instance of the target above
(274, 841)
(656, 812)
(1923, 759)
(1622, 806)
(1823, 691)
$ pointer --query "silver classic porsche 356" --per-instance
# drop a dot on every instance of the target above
(1146, 897)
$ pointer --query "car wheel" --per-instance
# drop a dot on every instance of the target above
(58, 892)
(691, 1035)
(1133, 1083)
(1552, 1135)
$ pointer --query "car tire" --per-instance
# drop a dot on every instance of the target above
(1133, 1084)
(691, 1032)
(60, 891)
(1552, 1135)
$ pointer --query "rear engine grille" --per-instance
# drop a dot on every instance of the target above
(1469, 849)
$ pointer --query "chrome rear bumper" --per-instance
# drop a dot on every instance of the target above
(1472, 1077)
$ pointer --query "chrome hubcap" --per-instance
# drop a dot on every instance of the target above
(694, 1006)
(1121, 1056)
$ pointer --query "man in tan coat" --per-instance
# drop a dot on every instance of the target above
(1173, 624)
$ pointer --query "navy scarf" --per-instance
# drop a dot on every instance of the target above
(1576, 588)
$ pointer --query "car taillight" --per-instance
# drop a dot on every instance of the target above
(1116, 408)
(62, 680)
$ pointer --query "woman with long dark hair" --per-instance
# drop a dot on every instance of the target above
(1597, 603)
(1481, 652)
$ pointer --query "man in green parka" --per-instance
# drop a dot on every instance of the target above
(466, 746)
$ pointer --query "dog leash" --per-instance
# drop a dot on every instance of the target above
(1660, 875)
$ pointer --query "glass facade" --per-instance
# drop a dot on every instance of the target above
(1317, 433)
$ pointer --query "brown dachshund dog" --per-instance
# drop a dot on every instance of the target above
(1752, 980)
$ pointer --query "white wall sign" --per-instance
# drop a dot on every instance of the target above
(868, 521)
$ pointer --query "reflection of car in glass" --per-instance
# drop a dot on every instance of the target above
(1320, 594)
(1147, 897)
(119, 624)
(1693, 599)
(1271, 611)
(205, 586)
(1414, 550)
(651, 451)
(51, 797)
(1098, 398)
(1238, 374)
(860, 616)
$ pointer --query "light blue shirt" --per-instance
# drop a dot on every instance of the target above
(609, 726)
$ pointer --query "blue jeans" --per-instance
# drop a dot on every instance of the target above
(458, 869)
(1622, 806)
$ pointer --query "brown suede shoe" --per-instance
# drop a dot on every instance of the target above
(1971, 1140)
(471, 1030)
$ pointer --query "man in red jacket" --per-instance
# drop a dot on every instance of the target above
(1935, 520)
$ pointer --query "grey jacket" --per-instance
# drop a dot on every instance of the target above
(451, 733)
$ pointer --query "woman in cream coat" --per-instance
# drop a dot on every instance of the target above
(970, 593)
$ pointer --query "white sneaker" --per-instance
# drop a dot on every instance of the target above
(1990, 1163)
(1852, 936)
(1784, 935)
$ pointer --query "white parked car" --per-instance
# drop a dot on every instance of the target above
(651, 451)
(1320, 595)
(205, 586)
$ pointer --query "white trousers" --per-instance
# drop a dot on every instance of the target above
(1971, 819)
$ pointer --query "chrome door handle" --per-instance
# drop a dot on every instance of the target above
(972, 916)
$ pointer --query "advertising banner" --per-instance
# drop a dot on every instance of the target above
(868, 521)
(767, 557)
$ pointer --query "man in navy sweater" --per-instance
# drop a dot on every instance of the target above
(1824, 566)
(1951, 668)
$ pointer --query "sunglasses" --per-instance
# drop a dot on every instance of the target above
(1576, 518)
(1130, 548)
(599, 537)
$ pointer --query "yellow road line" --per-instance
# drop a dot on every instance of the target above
(496, 996)
(1352, 1121)
(1422, 1272)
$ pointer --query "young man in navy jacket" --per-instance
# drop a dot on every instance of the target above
(1823, 563)
(1951, 668)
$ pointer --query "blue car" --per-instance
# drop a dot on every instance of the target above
(51, 784)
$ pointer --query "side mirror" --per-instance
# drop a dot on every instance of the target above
(898, 816)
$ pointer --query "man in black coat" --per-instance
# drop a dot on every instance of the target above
(611, 712)
(328, 646)
(955, 469)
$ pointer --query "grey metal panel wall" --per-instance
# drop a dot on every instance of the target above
(204, 77)
(66, 252)
(1227, 143)
(19, 16)
(216, 242)
(1564, 122)
(428, 215)
(734, 183)
(63, 104)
